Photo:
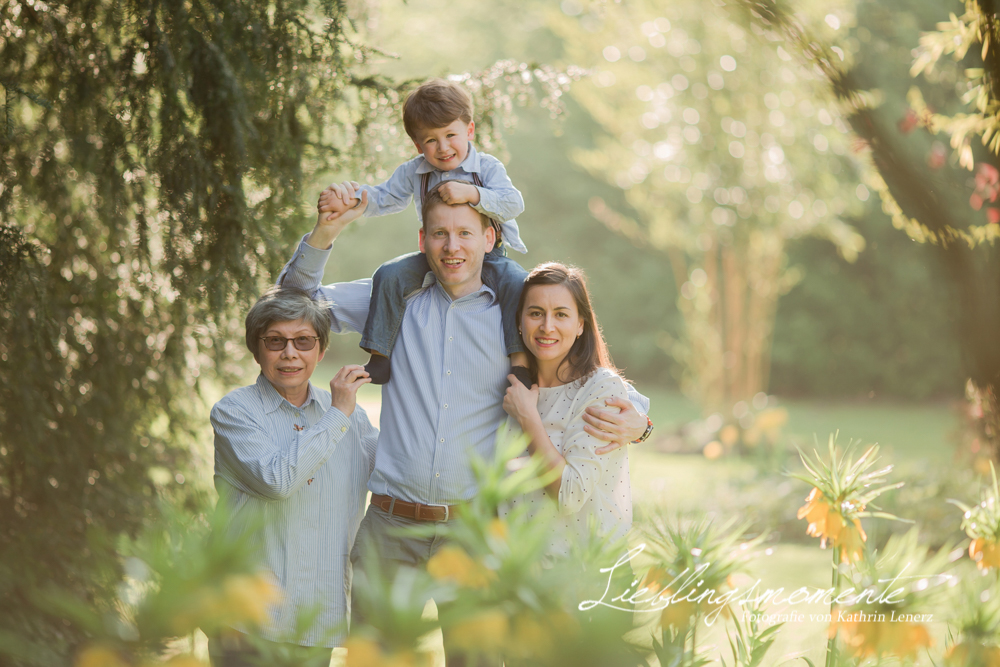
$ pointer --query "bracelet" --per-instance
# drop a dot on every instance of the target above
(645, 435)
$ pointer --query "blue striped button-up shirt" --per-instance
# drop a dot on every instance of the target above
(449, 372)
(498, 198)
(296, 475)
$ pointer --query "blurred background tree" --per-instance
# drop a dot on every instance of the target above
(151, 169)
(939, 197)
(726, 151)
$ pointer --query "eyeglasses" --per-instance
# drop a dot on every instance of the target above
(278, 343)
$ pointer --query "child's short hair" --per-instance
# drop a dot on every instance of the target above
(436, 103)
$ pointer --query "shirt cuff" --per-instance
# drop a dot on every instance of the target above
(336, 422)
(310, 259)
(486, 203)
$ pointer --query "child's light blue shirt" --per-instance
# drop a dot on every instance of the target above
(498, 198)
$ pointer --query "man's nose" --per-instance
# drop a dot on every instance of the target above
(289, 351)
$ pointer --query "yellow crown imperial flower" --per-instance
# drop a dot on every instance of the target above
(498, 529)
(530, 637)
(867, 639)
(654, 579)
(678, 613)
(968, 653)
(99, 656)
(453, 563)
(986, 554)
(827, 523)
(483, 632)
(362, 652)
(249, 596)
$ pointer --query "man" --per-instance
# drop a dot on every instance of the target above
(291, 466)
(449, 371)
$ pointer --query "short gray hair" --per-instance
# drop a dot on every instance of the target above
(286, 304)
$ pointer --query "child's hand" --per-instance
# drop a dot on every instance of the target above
(453, 193)
(330, 202)
(334, 215)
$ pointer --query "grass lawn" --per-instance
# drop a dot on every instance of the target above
(917, 431)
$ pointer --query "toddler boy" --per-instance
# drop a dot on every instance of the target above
(437, 116)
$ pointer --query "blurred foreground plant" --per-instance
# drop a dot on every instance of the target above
(842, 489)
(683, 552)
(180, 574)
(498, 587)
(982, 524)
(977, 637)
(887, 615)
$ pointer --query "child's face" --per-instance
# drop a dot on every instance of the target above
(445, 147)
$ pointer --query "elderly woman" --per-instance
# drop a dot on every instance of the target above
(291, 466)
(574, 372)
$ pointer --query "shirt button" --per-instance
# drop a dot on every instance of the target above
(449, 372)
(437, 474)
(442, 439)
(343, 429)
(451, 338)
(445, 406)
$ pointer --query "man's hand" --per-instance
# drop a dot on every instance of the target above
(344, 387)
(331, 221)
(619, 424)
(453, 193)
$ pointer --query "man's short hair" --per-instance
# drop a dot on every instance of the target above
(286, 304)
(436, 103)
(433, 200)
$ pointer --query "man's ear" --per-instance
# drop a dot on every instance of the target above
(491, 237)
(472, 129)
(417, 147)
(420, 240)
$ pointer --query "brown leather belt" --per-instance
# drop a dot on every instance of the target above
(416, 511)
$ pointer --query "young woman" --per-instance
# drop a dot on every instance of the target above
(573, 370)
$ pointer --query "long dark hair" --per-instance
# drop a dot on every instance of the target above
(589, 351)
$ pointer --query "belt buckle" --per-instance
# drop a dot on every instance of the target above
(447, 511)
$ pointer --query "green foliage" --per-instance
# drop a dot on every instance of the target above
(930, 202)
(150, 179)
(882, 326)
(751, 644)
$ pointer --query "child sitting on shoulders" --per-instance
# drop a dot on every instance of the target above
(437, 116)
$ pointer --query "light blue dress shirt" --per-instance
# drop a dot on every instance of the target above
(297, 477)
(498, 198)
(444, 404)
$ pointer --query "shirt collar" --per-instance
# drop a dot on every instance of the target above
(272, 400)
(471, 163)
(430, 281)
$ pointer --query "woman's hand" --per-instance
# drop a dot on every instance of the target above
(521, 403)
(344, 387)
